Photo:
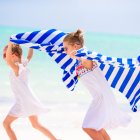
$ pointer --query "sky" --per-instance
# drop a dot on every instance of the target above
(105, 16)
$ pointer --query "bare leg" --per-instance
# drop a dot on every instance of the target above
(7, 125)
(105, 134)
(95, 135)
(37, 125)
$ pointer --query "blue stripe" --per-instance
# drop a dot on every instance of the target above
(137, 80)
(98, 59)
(57, 37)
(73, 88)
(109, 72)
(72, 69)
(119, 60)
(19, 41)
(136, 94)
(64, 66)
(134, 108)
(126, 80)
(108, 58)
(117, 77)
(64, 72)
(99, 55)
(90, 58)
(70, 83)
(132, 66)
(45, 35)
(18, 36)
(138, 59)
(46, 44)
(129, 61)
(51, 54)
(32, 35)
(76, 79)
(60, 57)
(61, 44)
(89, 52)
(60, 51)
(137, 100)
(67, 75)
(49, 48)
(81, 54)
(35, 47)
(102, 66)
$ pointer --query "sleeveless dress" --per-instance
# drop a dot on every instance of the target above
(26, 103)
(103, 111)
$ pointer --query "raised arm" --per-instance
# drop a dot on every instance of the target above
(30, 54)
(9, 59)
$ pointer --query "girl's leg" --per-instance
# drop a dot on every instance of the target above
(35, 123)
(105, 134)
(95, 135)
(7, 125)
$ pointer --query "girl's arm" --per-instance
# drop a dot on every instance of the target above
(9, 59)
(30, 54)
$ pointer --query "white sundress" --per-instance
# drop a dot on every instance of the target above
(103, 111)
(26, 103)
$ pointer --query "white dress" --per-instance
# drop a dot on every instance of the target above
(26, 103)
(103, 111)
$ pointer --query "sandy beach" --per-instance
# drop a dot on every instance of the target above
(65, 122)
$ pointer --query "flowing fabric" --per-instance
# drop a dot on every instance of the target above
(122, 74)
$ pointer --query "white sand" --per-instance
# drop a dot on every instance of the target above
(65, 122)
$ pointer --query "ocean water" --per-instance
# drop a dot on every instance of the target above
(46, 76)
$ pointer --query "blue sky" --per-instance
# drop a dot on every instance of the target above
(109, 16)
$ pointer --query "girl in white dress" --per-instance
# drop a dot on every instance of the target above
(103, 112)
(26, 103)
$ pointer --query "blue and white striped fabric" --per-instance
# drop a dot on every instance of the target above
(121, 73)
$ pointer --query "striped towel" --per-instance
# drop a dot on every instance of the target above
(122, 74)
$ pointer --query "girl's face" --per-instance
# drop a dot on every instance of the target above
(71, 49)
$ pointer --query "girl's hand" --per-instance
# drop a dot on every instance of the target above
(88, 64)
(72, 54)
(10, 44)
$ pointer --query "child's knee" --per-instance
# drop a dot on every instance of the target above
(6, 124)
(86, 129)
(36, 125)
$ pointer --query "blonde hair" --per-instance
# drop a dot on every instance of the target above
(75, 38)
